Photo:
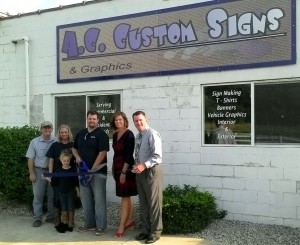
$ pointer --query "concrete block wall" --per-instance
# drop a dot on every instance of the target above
(253, 183)
(258, 190)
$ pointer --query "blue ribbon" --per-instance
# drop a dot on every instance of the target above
(84, 179)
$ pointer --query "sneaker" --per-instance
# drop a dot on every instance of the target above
(84, 229)
(99, 232)
(37, 223)
(50, 220)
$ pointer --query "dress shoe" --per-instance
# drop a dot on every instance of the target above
(141, 236)
(152, 239)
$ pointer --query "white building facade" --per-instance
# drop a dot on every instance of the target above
(237, 66)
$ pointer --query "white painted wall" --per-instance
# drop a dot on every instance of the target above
(254, 183)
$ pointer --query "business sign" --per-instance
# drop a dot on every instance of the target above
(194, 38)
(106, 105)
(227, 114)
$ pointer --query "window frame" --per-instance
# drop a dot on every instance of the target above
(87, 95)
(252, 91)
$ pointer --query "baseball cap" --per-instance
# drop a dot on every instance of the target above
(46, 124)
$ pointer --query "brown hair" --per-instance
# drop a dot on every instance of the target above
(138, 113)
(123, 115)
(93, 113)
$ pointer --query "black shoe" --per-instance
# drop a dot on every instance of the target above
(141, 236)
(61, 228)
(152, 239)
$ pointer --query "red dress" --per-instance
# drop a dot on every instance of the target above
(123, 152)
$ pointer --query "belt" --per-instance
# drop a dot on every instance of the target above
(40, 168)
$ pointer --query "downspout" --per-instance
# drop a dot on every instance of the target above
(26, 46)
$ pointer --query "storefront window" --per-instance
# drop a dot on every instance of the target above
(227, 114)
(277, 117)
(71, 110)
(106, 105)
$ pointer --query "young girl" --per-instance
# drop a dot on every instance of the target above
(66, 190)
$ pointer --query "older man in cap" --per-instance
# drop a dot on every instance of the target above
(37, 165)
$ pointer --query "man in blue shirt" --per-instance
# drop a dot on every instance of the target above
(37, 165)
(149, 178)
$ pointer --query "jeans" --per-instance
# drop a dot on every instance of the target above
(93, 199)
(39, 188)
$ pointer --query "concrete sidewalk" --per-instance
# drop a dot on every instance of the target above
(19, 230)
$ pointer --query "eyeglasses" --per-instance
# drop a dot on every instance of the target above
(47, 127)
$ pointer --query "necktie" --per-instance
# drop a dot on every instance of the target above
(138, 142)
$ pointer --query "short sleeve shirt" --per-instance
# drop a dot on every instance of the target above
(37, 150)
(55, 151)
(89, 144)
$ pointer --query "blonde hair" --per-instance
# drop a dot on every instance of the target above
(69, 131)
(65, 153)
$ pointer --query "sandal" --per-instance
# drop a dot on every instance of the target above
(130, 225)
(119, 234)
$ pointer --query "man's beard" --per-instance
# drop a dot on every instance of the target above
(92, 125)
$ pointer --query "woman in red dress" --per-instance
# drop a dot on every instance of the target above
(123, 145)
